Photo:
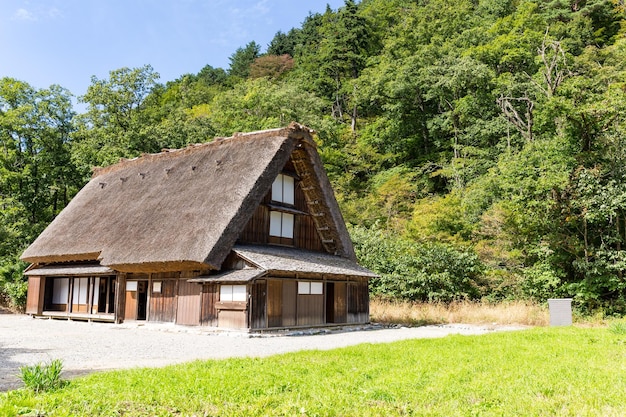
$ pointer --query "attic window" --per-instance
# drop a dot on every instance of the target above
(283, 189)
(281, 224)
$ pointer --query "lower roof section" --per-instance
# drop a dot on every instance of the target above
(236, 275)
(284, 259)
(73, 270)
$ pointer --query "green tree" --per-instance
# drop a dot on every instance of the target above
(284, 43)
(241, 60)
(344, 44)
(37, 177)
(113, 128)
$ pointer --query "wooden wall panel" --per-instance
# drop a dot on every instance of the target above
(130, 311)
(274, 303)
(232, 319)
(258, 314)
(290, 296)
(208, 312)
(188, 309)
(258, 228)
(306, 234)
(34, 297)
(310, 310)
(163, 305)
(340, 303)
(358, 302)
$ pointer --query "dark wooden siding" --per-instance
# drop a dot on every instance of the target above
(188, 304)
(336, 302)
(358, 302)
(305, 231)
(34, 298)
(274, 303)
(257, 313)
(258, 228)
(163, 305)
(290, 295)
(208, 312)
(310, 310)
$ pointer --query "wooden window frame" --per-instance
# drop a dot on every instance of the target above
(231, 299)
(284, 189)
(306, 288)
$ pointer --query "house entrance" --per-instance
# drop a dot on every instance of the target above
(330, 302)
(336, 302)
(136, 300)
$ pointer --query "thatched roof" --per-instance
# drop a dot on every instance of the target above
(184, 209)
(74, 270)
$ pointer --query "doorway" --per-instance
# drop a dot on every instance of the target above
(136, 300)
(330, 302)
(142, 300)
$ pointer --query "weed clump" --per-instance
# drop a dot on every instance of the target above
(42, 377)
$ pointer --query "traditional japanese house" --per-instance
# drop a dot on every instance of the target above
(242, 232)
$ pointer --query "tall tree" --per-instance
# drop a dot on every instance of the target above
(241, 60)
(113, 127)
(345, 42)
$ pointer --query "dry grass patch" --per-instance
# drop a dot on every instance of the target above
(504, 313)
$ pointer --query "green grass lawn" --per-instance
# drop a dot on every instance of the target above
(539, 372)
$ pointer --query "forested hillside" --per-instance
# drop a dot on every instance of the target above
(476, 146)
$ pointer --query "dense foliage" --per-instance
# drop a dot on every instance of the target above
(477, 144)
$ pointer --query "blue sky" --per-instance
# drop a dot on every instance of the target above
(65, 42)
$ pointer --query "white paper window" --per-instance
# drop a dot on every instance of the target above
(317, 288)
(310, 287)
(131, 285)
(96, 292)
(276, 223)
(156, 287)
(232, 293)
(60, 290)
(304, 287)
(80, 291)
(283, 189)
(281, 224)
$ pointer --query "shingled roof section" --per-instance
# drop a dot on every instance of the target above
(284, 259)
(180, 209)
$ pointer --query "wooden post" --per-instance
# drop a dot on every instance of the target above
(120, 298)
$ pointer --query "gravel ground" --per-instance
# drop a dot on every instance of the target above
(89, 347)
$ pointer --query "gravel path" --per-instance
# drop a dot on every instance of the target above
(88, 347)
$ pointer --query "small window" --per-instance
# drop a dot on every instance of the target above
(317, 288)
(283, 189)
(156, 287)
(232, 293)
(304, 287)
(310, 287)
(281, 224)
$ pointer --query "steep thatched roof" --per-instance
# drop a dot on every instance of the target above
(183, 209)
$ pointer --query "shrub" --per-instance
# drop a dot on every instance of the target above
(13, 285)
(42, 377)
(418, 271)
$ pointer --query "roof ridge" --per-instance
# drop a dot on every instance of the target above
(216, 141)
